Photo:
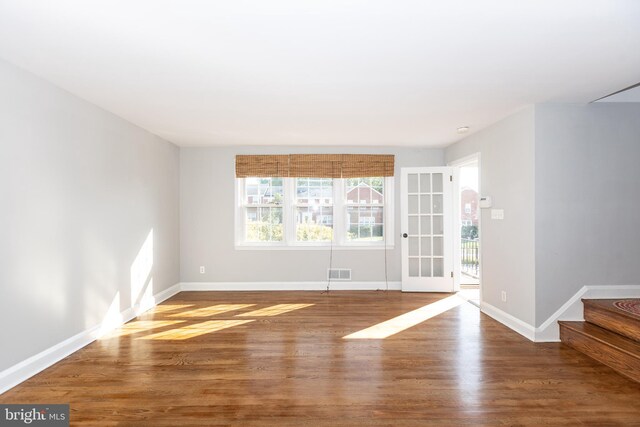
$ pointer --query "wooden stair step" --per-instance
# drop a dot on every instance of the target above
(616, 351)
(604, 313)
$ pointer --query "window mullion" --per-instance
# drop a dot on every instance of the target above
(389, 211)
(339, 212)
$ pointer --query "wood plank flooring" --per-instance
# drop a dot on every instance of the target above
(280, 359)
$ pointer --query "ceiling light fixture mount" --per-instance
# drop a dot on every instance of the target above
(463, 129)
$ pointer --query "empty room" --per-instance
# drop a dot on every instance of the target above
(319, 213)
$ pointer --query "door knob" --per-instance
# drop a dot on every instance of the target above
(405, 235)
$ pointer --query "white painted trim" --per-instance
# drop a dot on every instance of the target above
(288, 286)
(549, 331)
(572, 310)
(455, 200)
(523, 328)
(466, 160)
(24, 370)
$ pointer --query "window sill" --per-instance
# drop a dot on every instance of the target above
(311, 247)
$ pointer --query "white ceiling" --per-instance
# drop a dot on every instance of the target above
(324, 72)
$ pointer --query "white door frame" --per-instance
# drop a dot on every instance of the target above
(458, 163)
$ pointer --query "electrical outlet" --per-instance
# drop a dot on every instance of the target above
(202, 269)
(504, 296)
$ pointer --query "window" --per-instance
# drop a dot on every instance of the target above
(262, 205)
(313, 212)
(314, 209)
(365, 209)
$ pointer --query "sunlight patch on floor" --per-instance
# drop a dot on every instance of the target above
(406, 321)
(140, 326)
(211, 311)
(274, 310)
(198, 329)
(170, 307)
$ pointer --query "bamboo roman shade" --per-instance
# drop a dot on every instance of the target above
(363, 165)
(262, 166)
(315, 165)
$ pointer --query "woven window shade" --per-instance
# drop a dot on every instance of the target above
(365, 165)
(262, 166)
(315, 165)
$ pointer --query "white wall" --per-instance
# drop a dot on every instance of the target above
(587, 199)
(507, 175)
(207, 223)
(81, 190)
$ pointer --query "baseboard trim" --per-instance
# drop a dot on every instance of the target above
(24, 370)
(517, 325)
(572, 310)
(288, 286)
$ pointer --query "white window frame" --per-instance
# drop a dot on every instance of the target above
(340, 241)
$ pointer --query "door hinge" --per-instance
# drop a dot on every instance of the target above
(452, 274)
(450, 178)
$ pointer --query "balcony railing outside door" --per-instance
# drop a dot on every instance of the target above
(470, 259)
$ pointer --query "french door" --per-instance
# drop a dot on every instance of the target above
(427, 229)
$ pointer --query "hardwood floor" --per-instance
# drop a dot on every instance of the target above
(281, 359)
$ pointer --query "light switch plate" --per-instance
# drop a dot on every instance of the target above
(497, 213)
